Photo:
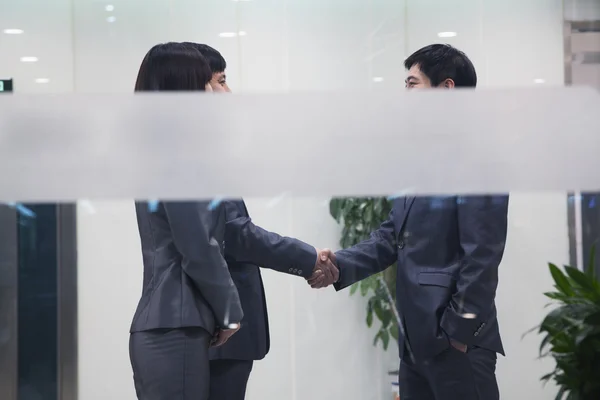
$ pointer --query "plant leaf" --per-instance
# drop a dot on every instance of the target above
(547, 377)
(336, 206)
(377, 337)
(370, 316)
(560, 394)
(364, 287)
(562, 283)
(394, 331)
(581, 278)
(385, 337)
(593, 319)
(378, 309)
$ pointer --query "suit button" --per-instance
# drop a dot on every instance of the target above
(401, 245)
(476, 333)
(299, 272)
(295, 270)
(290, 270)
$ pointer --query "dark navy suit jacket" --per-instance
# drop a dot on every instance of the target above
(448, 250)
(246, 248)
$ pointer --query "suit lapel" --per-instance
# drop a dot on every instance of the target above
(408, 202)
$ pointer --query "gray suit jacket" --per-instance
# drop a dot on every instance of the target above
(448, 250)
(186, 279)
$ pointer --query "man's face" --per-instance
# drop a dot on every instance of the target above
(417, 80)
(219, 82)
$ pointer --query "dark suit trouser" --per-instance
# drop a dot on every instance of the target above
(170, 364)
(451, 375)
(229, 378)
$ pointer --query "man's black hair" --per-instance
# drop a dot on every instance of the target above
(439, 62)
(215, 59)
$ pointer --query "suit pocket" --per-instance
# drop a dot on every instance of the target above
(435, 279)
(435, 295)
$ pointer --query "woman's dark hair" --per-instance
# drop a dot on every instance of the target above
(216, 62)
(441, 61)
(173, 67)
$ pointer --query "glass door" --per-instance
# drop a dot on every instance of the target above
(37, 302)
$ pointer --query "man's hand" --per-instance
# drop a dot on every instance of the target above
(223, 335)
(458, 346)
(325, 272)
(216, 86)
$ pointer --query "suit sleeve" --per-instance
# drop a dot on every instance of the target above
(202, 260)
(246, 242)
(369, 256)
(482, 226)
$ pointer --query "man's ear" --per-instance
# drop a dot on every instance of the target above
(448, 84)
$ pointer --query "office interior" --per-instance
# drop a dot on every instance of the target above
(63, 338)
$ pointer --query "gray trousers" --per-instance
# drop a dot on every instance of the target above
(170, 364)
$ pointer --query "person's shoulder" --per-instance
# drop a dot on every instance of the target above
(235, 208)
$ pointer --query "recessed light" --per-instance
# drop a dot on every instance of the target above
(242, 33)
(111, 19)
(109, 7)
(13, 31)
(42, 80)
(29, 59)
(227, 34)
(447, 34)
(378, 79)
(539, 80)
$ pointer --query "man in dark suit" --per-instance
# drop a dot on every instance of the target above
(447, 250)
(246, 247)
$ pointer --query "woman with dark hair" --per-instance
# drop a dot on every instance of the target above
(173, 67)
(189, 301)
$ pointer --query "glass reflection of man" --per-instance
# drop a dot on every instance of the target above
(447, 250)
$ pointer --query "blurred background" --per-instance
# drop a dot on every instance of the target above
(61, 337)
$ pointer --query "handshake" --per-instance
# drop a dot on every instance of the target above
(326, 271)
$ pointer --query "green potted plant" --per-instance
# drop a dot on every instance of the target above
(359, 217)
(571, 332)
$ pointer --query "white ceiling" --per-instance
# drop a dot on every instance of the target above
(97, 45)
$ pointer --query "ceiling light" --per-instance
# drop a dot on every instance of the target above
(447, 34)
(539, 80)
(109, 7)
(42, 80)
(13, 31)
(29, 59)
(227, 34)
(242, 33)
(111, 19)
(378, 79)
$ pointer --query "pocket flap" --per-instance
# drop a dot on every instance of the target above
(435, 279)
